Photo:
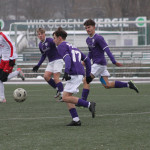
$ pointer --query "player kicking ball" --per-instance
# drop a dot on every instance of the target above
(73, 75)
(8, 56)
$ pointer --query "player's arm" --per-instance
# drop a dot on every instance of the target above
(67, 60)
(62, 51)
(105, 47)
(87, 63)
(8, 41)
(35, 68)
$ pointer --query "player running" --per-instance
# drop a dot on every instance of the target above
(8, 56)
(73, 75)
(97, 47)
(48, 49)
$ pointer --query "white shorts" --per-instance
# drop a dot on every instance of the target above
(73, 84)
(55, 66)
(99, 70)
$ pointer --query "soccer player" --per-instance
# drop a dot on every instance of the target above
(8, 56)
(48, 49)
(97, 47)
(73, 75)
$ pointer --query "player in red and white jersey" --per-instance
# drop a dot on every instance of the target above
(8, 57)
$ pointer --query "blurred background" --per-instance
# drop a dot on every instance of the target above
(124, 24)
(58, 9)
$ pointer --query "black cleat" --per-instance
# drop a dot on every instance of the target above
(132, 86)
(74, 123)
(60, 100)
(57, 94)
(92, 109)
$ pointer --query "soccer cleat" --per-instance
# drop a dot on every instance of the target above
(132, 86)
(92, 109)
(3, 101)
(60, 100)
(21, 74)
(74, 123)
(57, 94)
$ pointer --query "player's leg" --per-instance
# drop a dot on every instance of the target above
(21, 74)
(18, 73)
(117, 84)
(72, 86)
(59, 85)
(86, 87)
(114, 84)
(2, 94)
(104, 74)
(57, 70)
(85, 90)
(73, 112)
(50, 81)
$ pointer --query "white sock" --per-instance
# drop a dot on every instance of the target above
(89, 104)
(76, 119)
(2, 94)
(13, 74)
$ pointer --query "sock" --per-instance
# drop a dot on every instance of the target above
(59, 86)
(83, 103)
(74, 114)
(119, 84)
(85, 93)
(2, 94)
(13, 74)
(52, 83)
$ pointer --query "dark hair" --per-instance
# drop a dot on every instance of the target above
(89, 22)
(60, 32)
(0, 27)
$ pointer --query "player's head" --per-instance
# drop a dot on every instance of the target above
(59, 36)
(0, 27)
(90, 26)
(41, 34)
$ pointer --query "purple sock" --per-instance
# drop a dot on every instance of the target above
(59, 86)
(52, 83)
(73, 112)
(85, 93)
(119, 84)
(83, 103)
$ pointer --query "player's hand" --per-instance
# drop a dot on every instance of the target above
(118, 64)
(66, 76)
(88, 79)
(35, 68)
(11, 62)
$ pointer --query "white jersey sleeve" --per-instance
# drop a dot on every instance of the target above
(7, 48)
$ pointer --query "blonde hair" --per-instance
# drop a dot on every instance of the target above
(41, 30)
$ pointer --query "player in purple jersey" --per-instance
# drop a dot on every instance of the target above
(97, 47)
(73, 75)
(48, 49)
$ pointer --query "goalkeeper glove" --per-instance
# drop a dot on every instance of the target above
(66, 76)
(11, 62)
(35, 68)
(88, 79)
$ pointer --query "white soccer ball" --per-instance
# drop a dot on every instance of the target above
(20, 95)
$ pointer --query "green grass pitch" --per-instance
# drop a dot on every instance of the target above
(122, 120)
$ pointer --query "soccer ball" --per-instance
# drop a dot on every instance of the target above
(20, 95)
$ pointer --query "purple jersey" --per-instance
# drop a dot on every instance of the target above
(97, 47)
(49, 50)
(76, 68)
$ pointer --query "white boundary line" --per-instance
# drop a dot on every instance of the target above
(95, 81)
(84, 116)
